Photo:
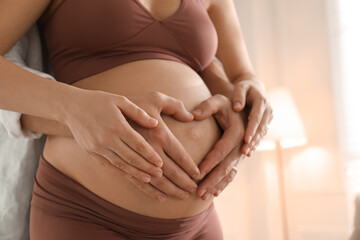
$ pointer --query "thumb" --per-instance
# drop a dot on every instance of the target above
(206, 108)
(239, 96)
(176, 108)
(136, 114)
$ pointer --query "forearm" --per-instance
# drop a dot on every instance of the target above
(216, 80)
(46, 126)
(25, 92)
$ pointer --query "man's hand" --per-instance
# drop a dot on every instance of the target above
(251, 93)
(223, 174)
(226, 154)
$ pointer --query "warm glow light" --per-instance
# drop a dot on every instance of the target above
(293, 142)
(312, 160)
(353, 175)
(266, 145)
(312, 169)
(349, 40)
(286, 127)
(347, 87)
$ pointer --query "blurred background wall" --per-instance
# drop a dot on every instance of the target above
(295, 45)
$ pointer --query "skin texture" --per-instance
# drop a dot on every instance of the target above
(220, 177)
(197, 137)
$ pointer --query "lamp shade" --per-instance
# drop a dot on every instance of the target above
(286, 126)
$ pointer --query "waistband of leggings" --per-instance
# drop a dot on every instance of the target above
(53, 185)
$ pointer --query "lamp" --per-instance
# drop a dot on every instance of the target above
(286, 131)
(286, 127)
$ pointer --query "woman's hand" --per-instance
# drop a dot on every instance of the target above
(251, 93)
(223, 174)
(178, 165)
(97, 122)
(218, 163)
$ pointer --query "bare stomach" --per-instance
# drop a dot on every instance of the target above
(138, 79)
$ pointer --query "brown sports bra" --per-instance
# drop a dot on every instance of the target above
(86, 37)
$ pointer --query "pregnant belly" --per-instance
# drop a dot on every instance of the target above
(138, 79)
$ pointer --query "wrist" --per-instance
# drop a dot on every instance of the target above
(63, 101)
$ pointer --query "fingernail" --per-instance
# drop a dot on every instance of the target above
(197, 112)
(206, 196)
(203, 191)
(158, 164)
(184, 196)
(146, 178)
(247, 151)
(251, 152)
(237, 105)
(158, 173)
(153, 121)
(195, 173)
(161, 198)
(193, 190)
(195, 176)
(189, 114)
(250, 139)
(218, 193)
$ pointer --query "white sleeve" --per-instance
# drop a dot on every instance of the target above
(27, 54)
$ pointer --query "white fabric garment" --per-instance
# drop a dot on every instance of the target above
(19, 149)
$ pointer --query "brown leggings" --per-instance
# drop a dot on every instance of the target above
(63, 209)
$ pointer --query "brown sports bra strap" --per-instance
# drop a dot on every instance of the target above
(51, 8)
